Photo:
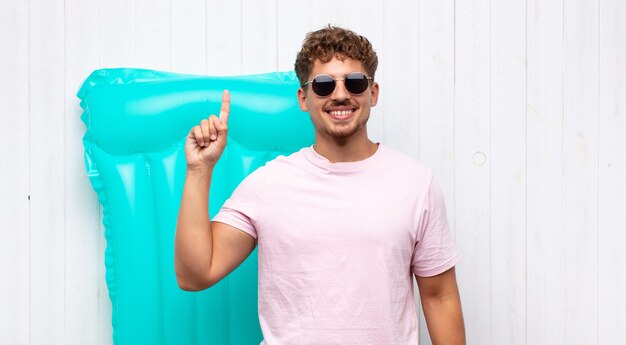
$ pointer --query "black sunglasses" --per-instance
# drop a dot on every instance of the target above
(323, 85)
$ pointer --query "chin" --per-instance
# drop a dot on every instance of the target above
(342, 132)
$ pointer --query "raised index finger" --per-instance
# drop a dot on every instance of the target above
(225, 110)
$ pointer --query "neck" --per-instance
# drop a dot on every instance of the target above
(345, 150)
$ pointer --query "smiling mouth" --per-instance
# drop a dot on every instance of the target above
(342, 114)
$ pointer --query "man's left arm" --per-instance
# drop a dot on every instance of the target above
(442, 308)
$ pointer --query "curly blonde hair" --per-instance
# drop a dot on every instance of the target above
(332, 41)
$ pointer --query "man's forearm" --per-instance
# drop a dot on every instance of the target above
(193, 244)
(444, 319)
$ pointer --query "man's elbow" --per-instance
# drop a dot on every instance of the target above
(183, 285)
(188, 284)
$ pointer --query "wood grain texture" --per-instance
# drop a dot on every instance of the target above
(48, 298)
(435, 101)
(611, 172)
(189, 41)
(580, 168)
(82, 55)
(401, 89)
(258, 37)
(545, 229)
(224, 38)
(14, 174)
(153, 34)
(118, 31)
(508, 172)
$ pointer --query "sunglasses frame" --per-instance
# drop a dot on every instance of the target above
(336, 80)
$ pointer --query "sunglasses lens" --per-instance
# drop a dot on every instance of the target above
(323, 85)
(356, 83)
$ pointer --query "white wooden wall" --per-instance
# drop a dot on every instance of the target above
(519, 106)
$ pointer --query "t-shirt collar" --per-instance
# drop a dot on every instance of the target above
(341, 167)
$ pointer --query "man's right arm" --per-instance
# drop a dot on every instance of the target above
(205, 251)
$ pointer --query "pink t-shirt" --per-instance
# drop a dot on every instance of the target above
(338, 243)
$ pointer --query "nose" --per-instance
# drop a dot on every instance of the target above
(340, 92)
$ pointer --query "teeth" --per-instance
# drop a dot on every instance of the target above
(340, 112)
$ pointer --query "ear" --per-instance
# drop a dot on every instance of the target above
(302, 100)
(375, 91)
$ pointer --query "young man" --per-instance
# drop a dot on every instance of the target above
(341, 226)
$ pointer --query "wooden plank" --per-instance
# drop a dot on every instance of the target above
(544, 144)
(258, 37)
(508, 172)
(473, 165)
(223, 35)
(14, 174)
(435, 102)
(47, 177)
(326, 12)
(401, 90)
(580, 140)
(189, 43)
(153, 34)
(82, 56)
(291, 30)
(118, 33)
(612, 169)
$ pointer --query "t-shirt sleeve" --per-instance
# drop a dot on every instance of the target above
(434, 251)
(241, 209)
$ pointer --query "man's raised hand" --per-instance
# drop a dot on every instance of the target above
(206, 142)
